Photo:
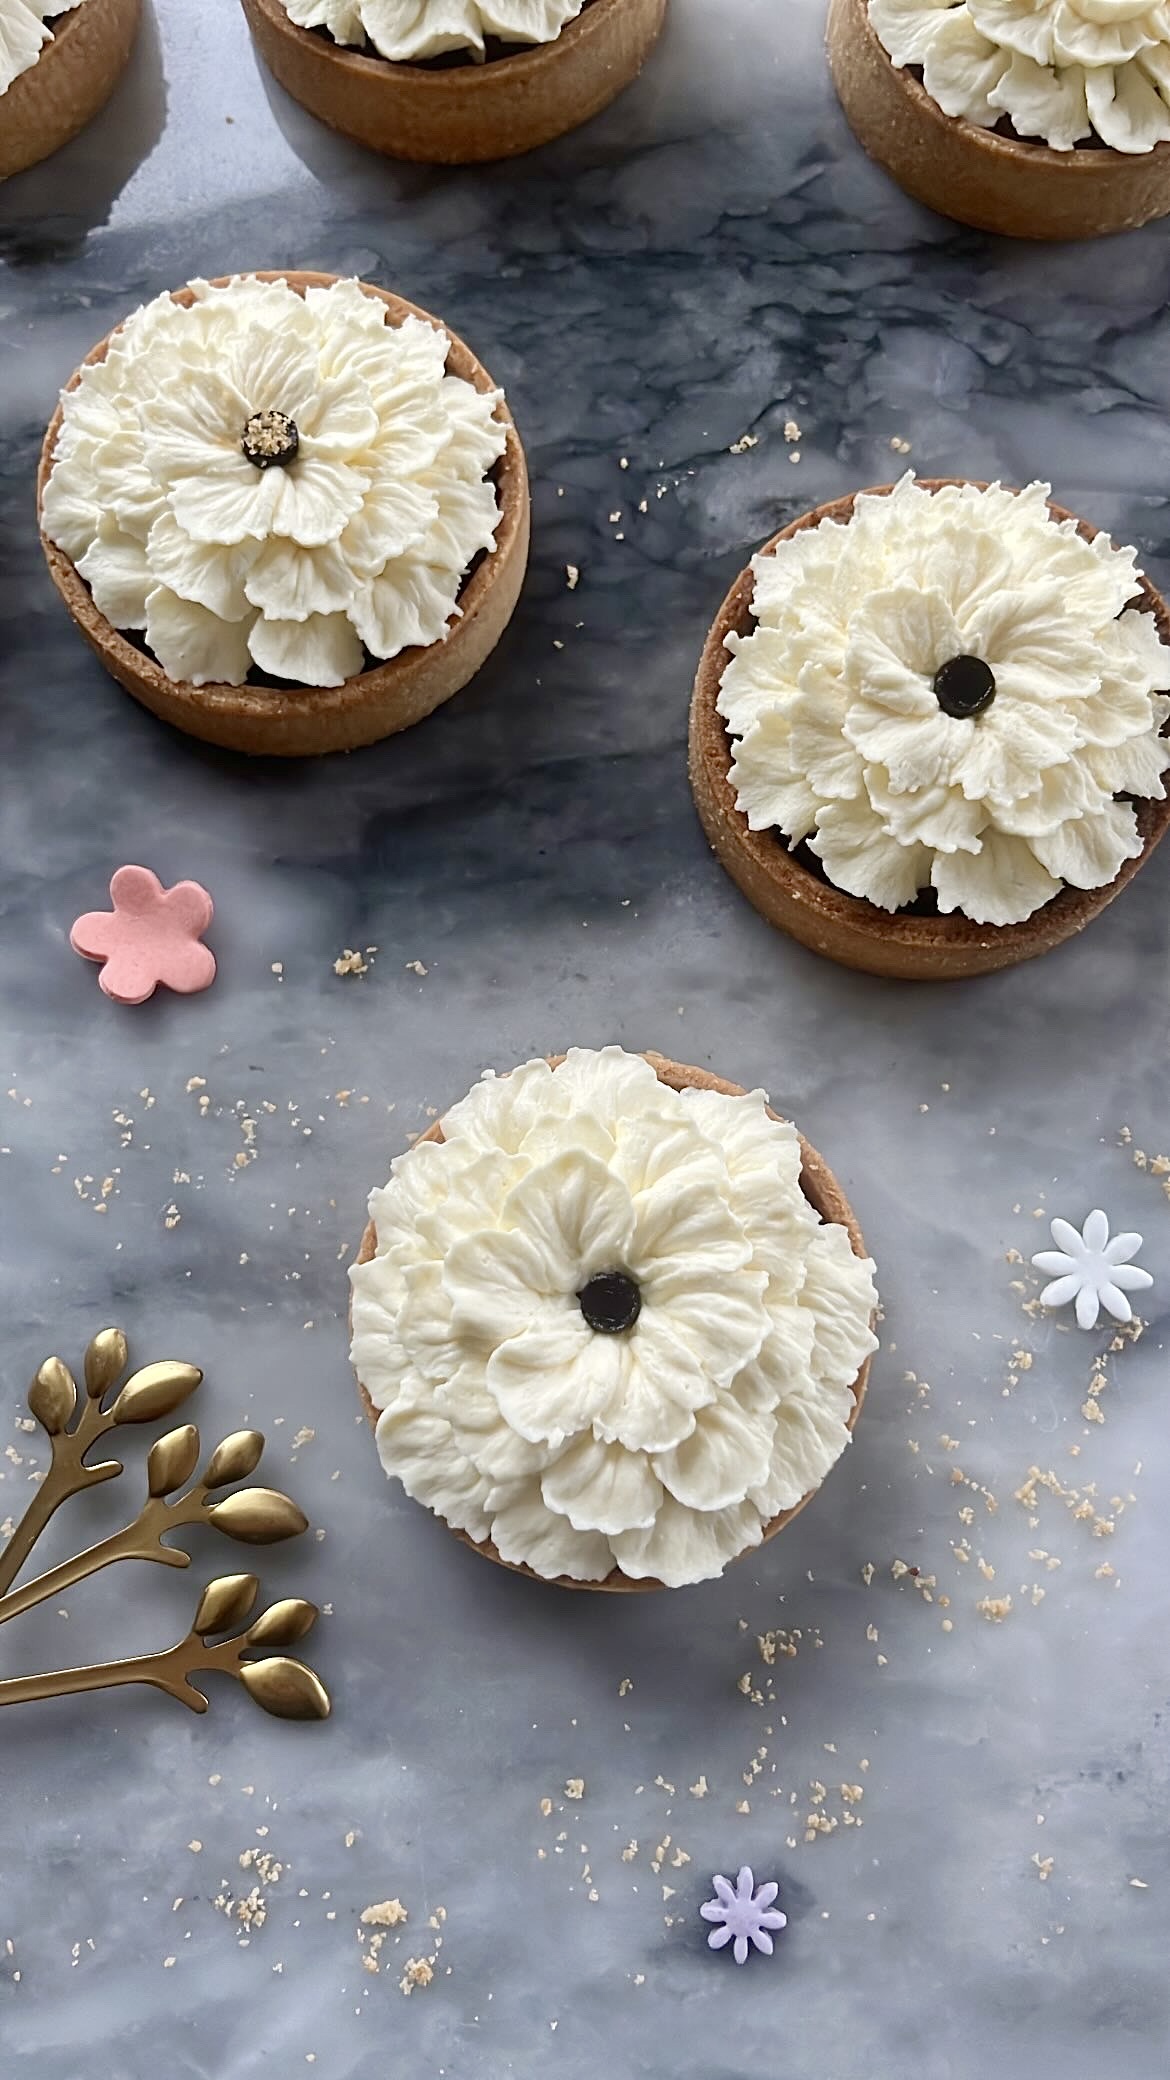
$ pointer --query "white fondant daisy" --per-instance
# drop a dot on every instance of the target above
(1092, 1268)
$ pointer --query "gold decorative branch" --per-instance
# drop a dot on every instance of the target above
(279, 1684)
(155, 1391)
(254, 1516)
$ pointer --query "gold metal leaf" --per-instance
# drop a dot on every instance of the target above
(52, 1396)
(225, 1602)
(158, 1390)
(105, 1361)
(283, 1623)
(258, 1517)
(172, 1460)
(234, 1459)
(286, 1688)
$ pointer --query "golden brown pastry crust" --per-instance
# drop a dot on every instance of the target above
(976, 176)
(277, 722)
(455, 115)
(72, 79)
(822, 1191)
(843, 927)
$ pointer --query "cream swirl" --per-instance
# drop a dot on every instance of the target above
(1064, 71)
(277, 480)
(951, 690)
(604, 1327)
(23, 34)
(406, 31)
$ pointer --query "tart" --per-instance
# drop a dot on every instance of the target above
(1047, 121)
(938, 745)
(60, 61)
(495, 78)
(289, 512)
(612, 1319)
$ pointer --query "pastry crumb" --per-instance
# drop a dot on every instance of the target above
(386, 1913)
(418, 1972)
(994, 1608)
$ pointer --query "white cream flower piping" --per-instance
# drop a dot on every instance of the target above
(604, 1327)
(275, 480)
(23, 34)
(406, 31)
(1065, 71)
(950, 690)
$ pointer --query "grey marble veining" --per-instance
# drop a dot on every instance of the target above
(712, 257)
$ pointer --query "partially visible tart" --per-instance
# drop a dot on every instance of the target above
(449, 82)
(937, 746)
(1049, 120)
(612, 1319)
(289, 512)
(60, 61)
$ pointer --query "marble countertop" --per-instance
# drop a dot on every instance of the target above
(966, 1810)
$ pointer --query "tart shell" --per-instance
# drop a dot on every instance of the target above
(459, 114)
(846, 928)
(293, 722)
(977, 176)
(822, 1191)
(72, 79)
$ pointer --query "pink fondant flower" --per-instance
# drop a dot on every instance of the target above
(151, 935)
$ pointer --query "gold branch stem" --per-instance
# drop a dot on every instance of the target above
(166, 1671)
(67, 1476)
(141, 1540)
(20, 1545)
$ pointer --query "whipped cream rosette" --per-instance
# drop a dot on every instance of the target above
(608, 1337)
(409, 31)
(24, 32)
(1064, 71)
(951, 692)
(260, 479)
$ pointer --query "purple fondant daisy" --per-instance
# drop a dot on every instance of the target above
(745, 1915)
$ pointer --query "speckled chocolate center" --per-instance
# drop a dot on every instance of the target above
(270, 440)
